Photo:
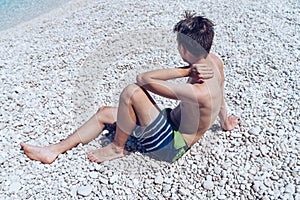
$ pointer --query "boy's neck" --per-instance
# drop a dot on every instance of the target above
(194, 60)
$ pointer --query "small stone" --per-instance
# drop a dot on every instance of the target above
(103, 180)
(225, 166)
(167, 188)
(155, 165)
(287, 196)
(85, 190)
(243, 187)
(256, 152)
(110, 193)
(15, 187)
(217, 170)
(168, 180)
(272, 130)
(255, 130)
(128, 191)
(2, 158)
(268, 182)
(93, 174)
(73, 190)
(223, 182)
(256, 186)
(183, 192)
(104, 191)
(114, 178)
(247, 166)
(151, 196)
(222, 196)
(209, 185)
(135, 182)
(296, 128)
(236, 135)
(99, 168)
(298, 189)
(2, 126)
(158, 180)
(209, 178)
(274, 177)
(264, 149)
(290, 188)
(264, 198)
(166, 194)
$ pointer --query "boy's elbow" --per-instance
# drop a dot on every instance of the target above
(140, 79)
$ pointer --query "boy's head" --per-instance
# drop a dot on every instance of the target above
(195, 34)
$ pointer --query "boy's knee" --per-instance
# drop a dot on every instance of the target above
(103, 112)
(104, 109)
(131, 92)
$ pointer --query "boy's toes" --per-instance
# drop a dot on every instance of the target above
(91, 157)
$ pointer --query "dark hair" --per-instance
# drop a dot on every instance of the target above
(195, 33)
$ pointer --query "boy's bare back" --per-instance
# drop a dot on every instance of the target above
(196, 117)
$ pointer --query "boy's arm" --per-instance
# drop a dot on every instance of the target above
(156, 82)
(227, 122)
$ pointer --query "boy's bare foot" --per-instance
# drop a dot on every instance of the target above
(42, 154)
(106, 153)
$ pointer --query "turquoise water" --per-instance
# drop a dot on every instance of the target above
(13, 12)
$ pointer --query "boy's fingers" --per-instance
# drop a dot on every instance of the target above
(206, 69)
(206, 77)
(197, 64)
(198, 67)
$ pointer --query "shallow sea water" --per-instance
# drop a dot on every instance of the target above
(13, 12)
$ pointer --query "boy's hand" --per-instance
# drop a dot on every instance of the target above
(200, 72)
(230, 123)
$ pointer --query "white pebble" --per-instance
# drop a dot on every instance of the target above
(114, 178)
(159, 180)
(93, 174)
(222, 196)
(2, 126)
(103, 180)
(217, 170)
(255, 130)
(183, 192)
(264, 149)
(236, 135)
(209, 185)
(290, 188)
(15, 187)
(85, 190)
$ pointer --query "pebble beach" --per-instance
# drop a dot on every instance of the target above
(56, 70)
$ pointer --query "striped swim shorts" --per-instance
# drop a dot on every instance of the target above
(160, 140)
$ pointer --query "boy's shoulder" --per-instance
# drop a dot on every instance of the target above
(216, 59)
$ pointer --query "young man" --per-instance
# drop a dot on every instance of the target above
(168, 134)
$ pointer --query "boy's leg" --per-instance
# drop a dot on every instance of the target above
(87, 132)
(135, 104)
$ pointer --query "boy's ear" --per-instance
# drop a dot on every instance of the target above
(182, 49)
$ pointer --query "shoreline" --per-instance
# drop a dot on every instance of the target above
(56, 70)
(14, 13)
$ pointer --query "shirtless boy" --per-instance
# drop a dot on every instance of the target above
(167, 134)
